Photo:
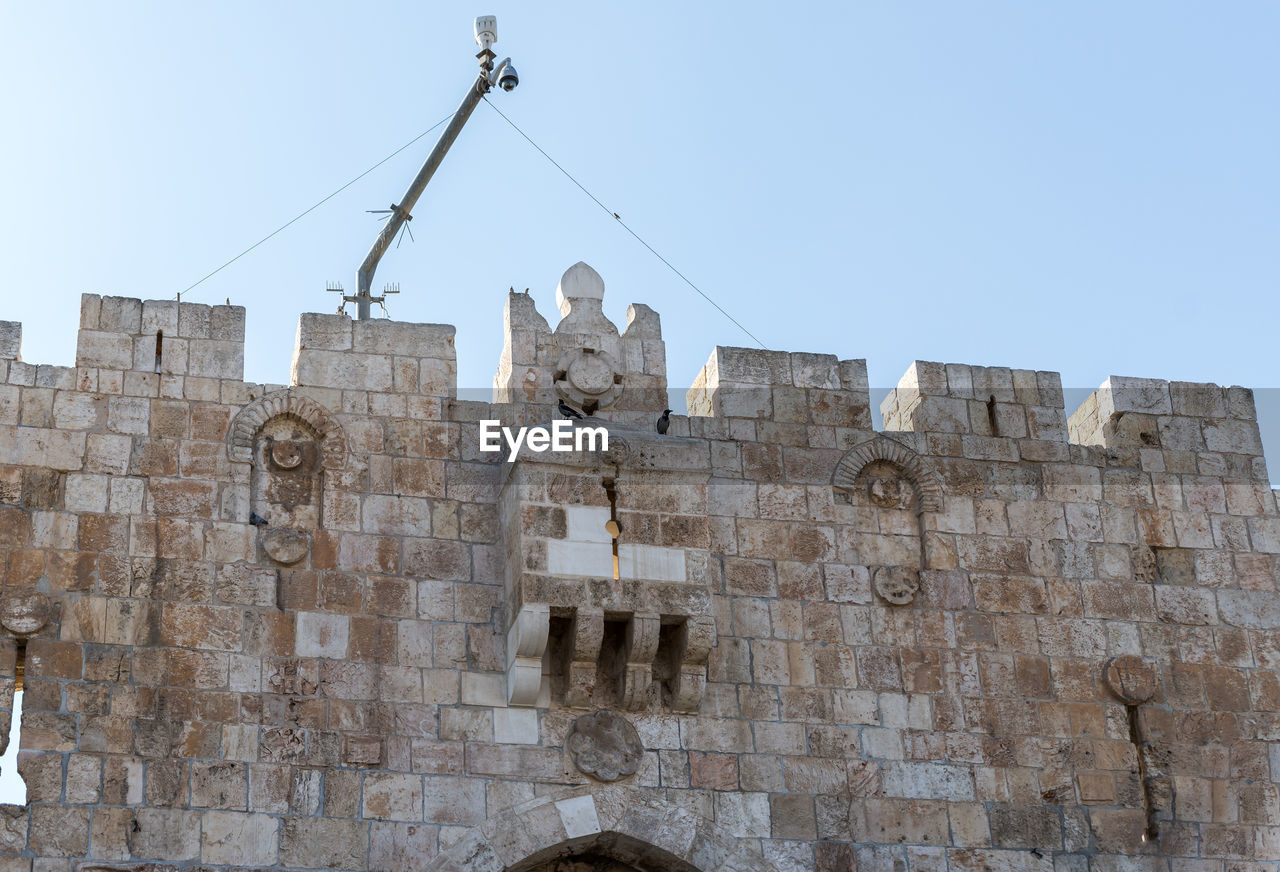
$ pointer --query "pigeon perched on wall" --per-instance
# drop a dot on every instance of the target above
(664, 422)
(257, 520)
(569, 411)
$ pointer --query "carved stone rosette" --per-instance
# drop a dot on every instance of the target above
(605, 746)
(896, 585)
(588, 378)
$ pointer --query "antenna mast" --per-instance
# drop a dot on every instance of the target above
(504, 76)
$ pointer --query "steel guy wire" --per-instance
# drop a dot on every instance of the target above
(624, 224)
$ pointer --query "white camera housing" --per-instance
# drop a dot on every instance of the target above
(486, 31)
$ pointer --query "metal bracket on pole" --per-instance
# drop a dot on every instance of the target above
(400, 212)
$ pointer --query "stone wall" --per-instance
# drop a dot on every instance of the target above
(315, 627)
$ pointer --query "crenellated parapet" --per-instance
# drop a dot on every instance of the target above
(156, 338)
(375, 356)
(782, 387)
(1199, 426)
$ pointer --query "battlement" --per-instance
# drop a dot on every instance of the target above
(379, 356)
(977, 400)
(160, 337)
(783, 387)
(185, 350)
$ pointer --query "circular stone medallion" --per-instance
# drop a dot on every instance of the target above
(604, 745)
(1132, 678)
(590, 374)
(285, 545)
(24, 611)
(286, 454)
(896, 584)
(588, 378)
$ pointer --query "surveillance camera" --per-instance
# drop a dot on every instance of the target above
(486, 31)
(507, 78)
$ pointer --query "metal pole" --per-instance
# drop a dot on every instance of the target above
(400, 212)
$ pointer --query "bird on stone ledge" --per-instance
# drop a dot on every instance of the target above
(664, 422)
(257, 520)
(569, 411)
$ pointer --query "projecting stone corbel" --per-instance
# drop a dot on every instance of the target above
(585, 636)
(526, 643)
(690, 681)
(642, 648)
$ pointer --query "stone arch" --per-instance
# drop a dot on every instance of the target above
(629, 825)
(286, 402)
(925, 482)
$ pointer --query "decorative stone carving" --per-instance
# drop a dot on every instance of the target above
(282, 744)
(289, 453)
(589, 378)
(604, 745)
(286, 454)
(246, 425)
(526, 643)
(919, 487)
(619, 453)
(285, 545)
(1132, 678)
(642, 647)
(586, 634)
(690, 682)
(896, 584)
(24, 611)
(888, 492)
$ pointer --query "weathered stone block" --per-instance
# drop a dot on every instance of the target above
(379, 336)
(336, 369)
(392, 797)
(165, 834)
(320, 635)
(313, 843)
(10, 340)
(104, 350)
(235, 839)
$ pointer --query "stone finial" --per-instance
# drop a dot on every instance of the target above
(579, 282)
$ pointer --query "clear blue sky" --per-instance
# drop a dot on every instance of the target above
(1085, 187)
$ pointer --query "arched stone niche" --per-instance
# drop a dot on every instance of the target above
(250, 421)
(289, 442)
(888, 474)
(891, 490)
(602, 829)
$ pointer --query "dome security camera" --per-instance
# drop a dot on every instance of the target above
(507, 78)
